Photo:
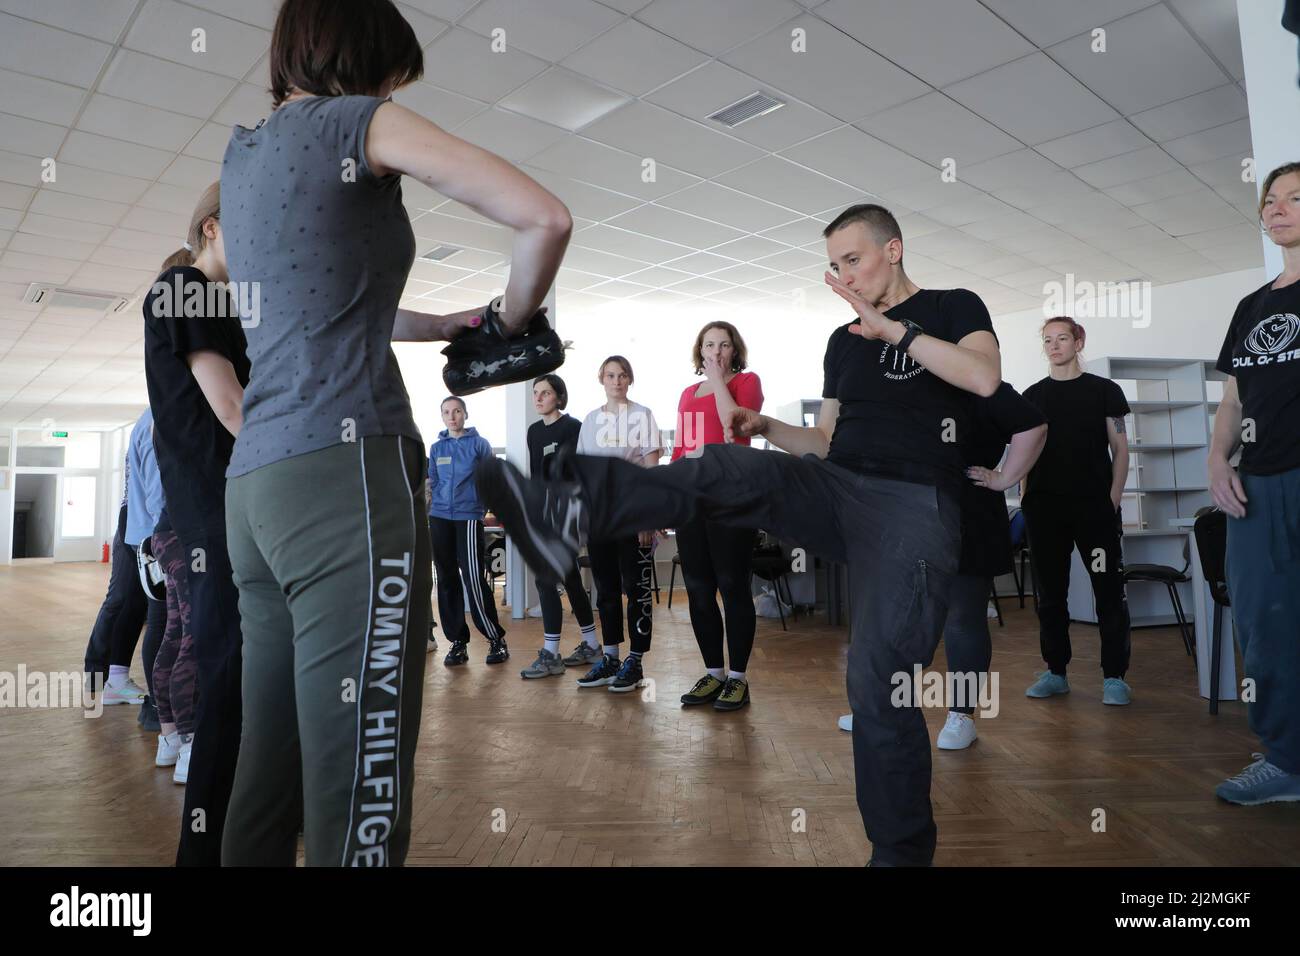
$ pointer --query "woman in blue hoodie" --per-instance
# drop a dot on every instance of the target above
(456, 529)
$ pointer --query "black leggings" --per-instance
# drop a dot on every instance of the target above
(619, 567)
(966, 631)
(717, 558)
(553, 611)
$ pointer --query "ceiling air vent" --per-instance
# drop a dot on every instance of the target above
(756, 104)
(441, 253)
(62, 297)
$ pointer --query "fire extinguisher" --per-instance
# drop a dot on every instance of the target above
(103, 559)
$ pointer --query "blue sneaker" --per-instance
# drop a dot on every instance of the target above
(603, 673)
(629, 676)
(1115, 691)
(1047, 685)
(1261, 782)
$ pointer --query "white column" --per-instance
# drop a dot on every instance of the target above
(520, 585)
(1272, 96)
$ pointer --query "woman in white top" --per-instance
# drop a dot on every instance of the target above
(621, 428)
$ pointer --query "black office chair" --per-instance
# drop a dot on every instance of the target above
(672, 577)
(1020, 552)
(1211, 530)
(993, 593)
(1170, 577)
(773, 561)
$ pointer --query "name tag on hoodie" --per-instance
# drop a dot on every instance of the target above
(444, 459)
(549, 449)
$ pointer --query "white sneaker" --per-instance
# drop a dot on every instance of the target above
(958, 732)
(182, 772)
(169, 748)
(535, 611)
(991, 612)
(127, 692)
(846, 723)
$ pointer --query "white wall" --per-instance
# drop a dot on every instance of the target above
(1187, 320)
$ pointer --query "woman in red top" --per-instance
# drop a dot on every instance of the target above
(716, 557)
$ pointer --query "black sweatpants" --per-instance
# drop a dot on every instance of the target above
(458, 558)
(966, 638)
(215, 630)
(716, 558)
(553, 610)
(620, 566)
(154, 627)
(1056, 525)
(123, 613)
(901, 543)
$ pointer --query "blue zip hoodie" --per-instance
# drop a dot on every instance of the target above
(451, 475)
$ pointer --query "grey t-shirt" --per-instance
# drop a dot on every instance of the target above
(330, 245)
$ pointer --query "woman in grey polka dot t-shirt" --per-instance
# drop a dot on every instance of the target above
(325, 491)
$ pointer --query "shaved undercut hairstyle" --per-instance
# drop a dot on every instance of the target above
(880, 222)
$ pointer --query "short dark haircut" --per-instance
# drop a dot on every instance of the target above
(878, 220)
(341, 47)
(739, 354)
(454, 398)
(557, 384)
(627, 367)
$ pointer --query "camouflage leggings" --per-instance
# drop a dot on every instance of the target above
(175, 671)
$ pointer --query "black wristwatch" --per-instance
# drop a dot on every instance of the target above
(913, 330)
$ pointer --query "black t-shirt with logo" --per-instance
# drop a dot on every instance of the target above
(897, 420)
(985, 527)
(190, 443)
(1262, 349)
(545, 440)
(1076, 459)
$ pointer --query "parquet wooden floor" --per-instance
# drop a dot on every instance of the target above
(588, 778)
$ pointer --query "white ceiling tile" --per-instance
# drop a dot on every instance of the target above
(1226, 173)
(926, 195)
(716, 202)
(9, 218)
(426, 28)
(146, 125)
(1140, 164)
(460, 232)
(999, 228)
(1215, 22)
(627, 241)
(245, 106)
(861, 160)
(744, 274)
(165, 29)
(113, 279)
(563, 99)
(155, 220)
(68, 206)
(137, 241)
(43, 51)
(114, 155)
(714, 86)
(1162, 186)
(551, 30)
(602, 165)
(58, 228)
(1033, 99)
(675, 227)
(22, 260)
(30, 137)
(966, 211)
(259, 13)
(1050, 21)
(1211, 240)
(1037, 191)
(210, 143)
(717, 26)
(791, 260)
(125, 258)
(1127, 76)
(701, 285)
(590, 202)
(801, 233)
(102, 20)
(970, 40)
(797, 187)
(96, 183)
(634, 58)
(1020, 168)
(567, 278)
(934, 128)
(601, 263)
(1192, 114)
(749, 248)
(649, 131)
(702, 263)
(197, 174)
(442, 107)
(46, 246)
(458, 61)
(1230, 140)
(35, 98)
(169, 86)
(1147, 237)
(657, 277)
(509, 135)
(1091, 145)
(834, 73)
(20, 170)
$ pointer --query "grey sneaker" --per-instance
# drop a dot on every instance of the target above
(546, 665)
(1047, 685)
(582, 655)
(1261, 782)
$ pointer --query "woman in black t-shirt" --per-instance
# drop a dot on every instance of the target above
(1072, 498)
(546, 438)
(1260, 413)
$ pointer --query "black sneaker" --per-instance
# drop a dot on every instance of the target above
(705, 691)
(603, 673)
(148, 718)
(497, 651)
(458, 654)
(629, 676)
(543, 518)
